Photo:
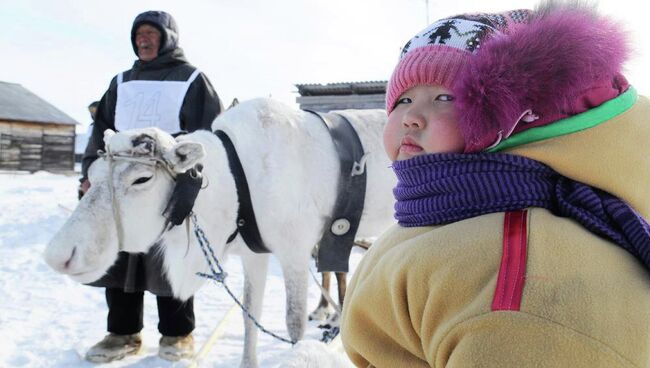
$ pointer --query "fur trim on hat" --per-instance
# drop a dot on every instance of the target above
(543, 67)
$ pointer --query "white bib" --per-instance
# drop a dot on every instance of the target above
(143, 103)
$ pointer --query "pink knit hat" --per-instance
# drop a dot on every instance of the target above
(516, 70)
(437, 53)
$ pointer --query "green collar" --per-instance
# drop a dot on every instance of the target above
(575, 123)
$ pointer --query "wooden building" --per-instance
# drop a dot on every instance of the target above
(34, 135)
(340, 96)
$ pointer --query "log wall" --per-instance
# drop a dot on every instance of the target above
(36, 146)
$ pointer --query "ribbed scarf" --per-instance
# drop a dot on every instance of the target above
(443, 188)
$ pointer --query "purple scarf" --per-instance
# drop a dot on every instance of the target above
(443, 188)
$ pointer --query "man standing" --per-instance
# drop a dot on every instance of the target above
(163, 90)
(92, 109)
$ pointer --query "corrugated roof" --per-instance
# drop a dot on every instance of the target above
(18, 103)
(343, 88)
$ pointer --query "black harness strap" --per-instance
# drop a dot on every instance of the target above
(336, 244)
(246, 223)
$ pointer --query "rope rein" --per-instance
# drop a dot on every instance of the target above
(217, 274)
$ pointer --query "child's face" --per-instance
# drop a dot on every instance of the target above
(423, 121)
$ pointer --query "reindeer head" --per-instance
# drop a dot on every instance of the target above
(123, 210)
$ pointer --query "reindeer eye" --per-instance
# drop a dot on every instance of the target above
(142, 180)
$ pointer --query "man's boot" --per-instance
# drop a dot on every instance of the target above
(174, 348)
(114, 347)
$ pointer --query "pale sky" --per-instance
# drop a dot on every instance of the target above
(67, 51)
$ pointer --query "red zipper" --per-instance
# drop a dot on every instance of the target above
(512, 274)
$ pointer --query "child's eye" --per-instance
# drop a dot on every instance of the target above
(406, 100)
(445, 97)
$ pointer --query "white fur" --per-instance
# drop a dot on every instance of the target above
(322, 313)
(315, 354)
(292, 171)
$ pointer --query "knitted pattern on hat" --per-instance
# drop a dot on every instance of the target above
(436, 54)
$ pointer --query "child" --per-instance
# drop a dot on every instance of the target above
(520, 152)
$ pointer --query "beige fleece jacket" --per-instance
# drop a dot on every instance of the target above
(422, 297)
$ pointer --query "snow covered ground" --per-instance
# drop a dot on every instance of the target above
(48, 320)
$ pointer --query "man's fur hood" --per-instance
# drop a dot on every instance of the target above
(164, 22)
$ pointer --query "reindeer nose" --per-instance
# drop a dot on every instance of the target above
(66, 265)
(59, 261)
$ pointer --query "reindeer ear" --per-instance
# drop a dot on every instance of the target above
(108, 133)
(184, 155)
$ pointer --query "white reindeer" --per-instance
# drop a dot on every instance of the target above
(292, 171)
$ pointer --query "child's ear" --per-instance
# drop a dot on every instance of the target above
(184, 155)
